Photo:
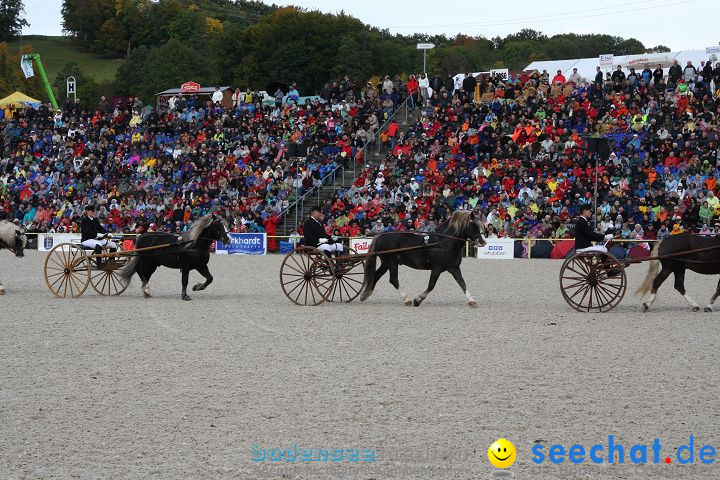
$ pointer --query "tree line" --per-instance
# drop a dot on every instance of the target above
(249, 44)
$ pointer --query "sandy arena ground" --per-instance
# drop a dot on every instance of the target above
(131, 388)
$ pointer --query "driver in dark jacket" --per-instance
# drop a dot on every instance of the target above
(314, 234)
(584, 233)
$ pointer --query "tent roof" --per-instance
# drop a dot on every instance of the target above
(586, 66)
(18, 99)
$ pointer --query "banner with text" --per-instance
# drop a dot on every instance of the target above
(497, 248)
(46, 241)
(243, 244)
(360, 245)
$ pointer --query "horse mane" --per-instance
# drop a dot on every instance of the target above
(193, 233)
(458, 223)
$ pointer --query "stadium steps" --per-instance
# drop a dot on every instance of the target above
(327, 192)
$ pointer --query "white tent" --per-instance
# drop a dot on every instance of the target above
(586, 66)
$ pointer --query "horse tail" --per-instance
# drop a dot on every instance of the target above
(127, 271)
(367, 288)
(646, 286)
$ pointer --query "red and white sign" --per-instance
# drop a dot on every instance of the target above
(190, 87)
(360, 245)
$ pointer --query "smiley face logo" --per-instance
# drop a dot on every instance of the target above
(502, 453)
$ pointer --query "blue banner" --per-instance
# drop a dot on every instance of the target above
(243, 244)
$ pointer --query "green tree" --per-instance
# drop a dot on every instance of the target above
(658, 49)
(147, 72)
(11, 19)
(83, 19)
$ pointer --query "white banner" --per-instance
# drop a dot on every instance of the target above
(360, 245)
(46, 241)
(715, 49)
(497, 248)
(26, 65)
(607, 60)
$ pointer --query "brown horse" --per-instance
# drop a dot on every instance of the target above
(671, 248)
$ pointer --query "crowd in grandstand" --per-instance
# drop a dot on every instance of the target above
(515, 150)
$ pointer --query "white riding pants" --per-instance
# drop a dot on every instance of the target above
(328, 247)
(106, 243)
(594, 248)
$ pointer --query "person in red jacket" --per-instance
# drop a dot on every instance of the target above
(559, 78)
(270, 223)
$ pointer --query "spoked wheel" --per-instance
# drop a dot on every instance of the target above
(67, 270)
(593, 282)
(307, 277)
(349, 276)
(105, 278)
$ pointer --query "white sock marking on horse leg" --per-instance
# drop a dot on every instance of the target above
(2, 289)
(691, 301)
(470, 299)
(406, 299)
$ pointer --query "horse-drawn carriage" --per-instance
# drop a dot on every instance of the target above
(593, 280)
(71, 268)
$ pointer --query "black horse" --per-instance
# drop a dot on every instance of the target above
(706, 263)
(444, 254)
(192, 252)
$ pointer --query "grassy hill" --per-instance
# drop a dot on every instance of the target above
(56, 52)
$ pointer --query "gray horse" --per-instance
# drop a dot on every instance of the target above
(12, 237)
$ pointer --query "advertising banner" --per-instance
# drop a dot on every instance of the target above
(243, 244)
(46, 241)
(497, 248)
(606, 60)
(360, 245)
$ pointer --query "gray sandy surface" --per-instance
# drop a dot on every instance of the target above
(126, 387)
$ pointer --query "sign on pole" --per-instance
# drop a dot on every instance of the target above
(26, 65)
(425, 47)
(71, 88)
(606, 60)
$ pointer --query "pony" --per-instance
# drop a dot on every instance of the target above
(190, 252)
(12, 237)
(672, 260)
(437, 251)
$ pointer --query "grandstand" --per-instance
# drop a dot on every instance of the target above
(378, 159)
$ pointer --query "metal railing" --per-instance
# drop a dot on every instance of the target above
(299, 204)
(313, 193)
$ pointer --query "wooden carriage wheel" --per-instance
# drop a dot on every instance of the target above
(593, 282)
(349, 276)
(67, 270)
(307, 277)
(105, 279)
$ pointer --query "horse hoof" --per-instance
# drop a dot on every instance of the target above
(707, 309)
(408, 303)
(2, 291)
(472, 304)
(186, 298)
(416, 302)
(696, 309)
(196, 288)
(645, 307)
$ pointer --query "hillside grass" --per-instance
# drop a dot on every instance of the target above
(56, 52)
